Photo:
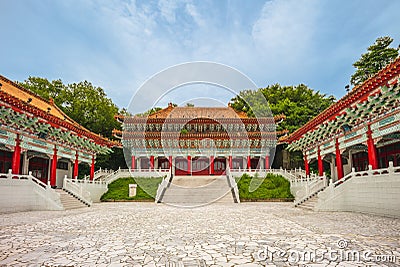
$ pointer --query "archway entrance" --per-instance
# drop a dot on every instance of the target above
(255, 163)
(5, 161)
(39, 168)
(163, 163)
(219, 165)
(200, 166)
(181, 166)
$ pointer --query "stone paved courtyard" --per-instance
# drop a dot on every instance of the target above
(146, 234)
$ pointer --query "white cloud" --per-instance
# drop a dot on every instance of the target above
(168, 10)
(285, 27)
(191, 9)
(118, 44)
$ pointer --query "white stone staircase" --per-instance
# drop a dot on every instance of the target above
(311, 198)
(99, 174)
(192, 191)
(69, 201)
(309, 204)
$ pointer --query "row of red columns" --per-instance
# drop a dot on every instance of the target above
(320, 164)
(372, 157)
(76, 166)
(339, 166)
(189, 161)
(306, 166)
(53, 172)
(16, 158)
(16, 161)
(212, 165)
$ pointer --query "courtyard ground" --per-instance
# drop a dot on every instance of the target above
(148, 234)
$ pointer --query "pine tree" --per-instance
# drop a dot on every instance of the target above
(378, 56)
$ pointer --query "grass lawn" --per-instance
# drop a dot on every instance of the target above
(269, 188)
(119, 189)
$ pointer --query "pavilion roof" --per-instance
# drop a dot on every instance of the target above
(197, 112)
(359, 94)
(23, 100)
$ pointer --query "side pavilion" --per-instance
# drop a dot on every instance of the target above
(37, 136)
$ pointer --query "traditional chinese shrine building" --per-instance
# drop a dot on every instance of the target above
(198, 140)
(361, 129)
(36, 136)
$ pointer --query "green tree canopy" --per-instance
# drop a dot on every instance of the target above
(89, 106)
(378, 56)
(148, 112)
(151, 111)
(298, 103)
(46, 89)
(86, 104)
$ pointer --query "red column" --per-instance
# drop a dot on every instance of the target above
(189, 165)
(170, 162)
(16, 158)
(76, 166)
(152, 162)
(53, 172)
(92, 169)
(230, 162)
(306, 166)
(266, 161)
(372, 157)
(212, 165)
(248, 162)
(339, 166)
(133, 163)
(320, 165)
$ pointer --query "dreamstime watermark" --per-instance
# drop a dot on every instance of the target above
(146, 138)
(339, 254)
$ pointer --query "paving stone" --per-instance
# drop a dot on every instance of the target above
(146, 234)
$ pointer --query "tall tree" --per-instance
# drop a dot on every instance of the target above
(86, 104)
(148, 112)
(378, 56)
(89, 106)
(46, 89)
(298, 103)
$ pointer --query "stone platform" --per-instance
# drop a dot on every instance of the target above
(148, 234)
(194, 191)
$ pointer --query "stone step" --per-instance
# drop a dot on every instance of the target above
(305, 207)
(197, 194)
(309, 204)
(190, 201)
(312, 201)
(183, 198)
(198, 181)
(69, 201)
(197, 190)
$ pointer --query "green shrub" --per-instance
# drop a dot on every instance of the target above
(270, 187)
(119, 189)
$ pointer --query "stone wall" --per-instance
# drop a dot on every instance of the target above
(24, 195)
(373, 194)
(95, 190)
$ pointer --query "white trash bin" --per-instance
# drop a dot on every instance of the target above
(132, 190)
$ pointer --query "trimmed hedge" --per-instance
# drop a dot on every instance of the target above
(119, 189)
(258, 188)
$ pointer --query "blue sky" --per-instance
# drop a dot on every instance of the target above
(119, 44)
